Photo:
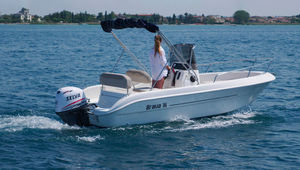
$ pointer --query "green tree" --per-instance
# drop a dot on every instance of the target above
(185, 20)
(5, 19)
(190, 19)
(180, 19)
(295, 20)
(241, 17)
(156, 19)
(69, 17)
(210, 20)
(111, 16)
(100, 16)
(105, 15)
(15, 18)
(174, 19)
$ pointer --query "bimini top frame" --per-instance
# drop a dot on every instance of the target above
(119, 23)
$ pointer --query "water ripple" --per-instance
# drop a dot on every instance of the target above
(36, 60)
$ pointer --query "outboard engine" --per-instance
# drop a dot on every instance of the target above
(72, 106)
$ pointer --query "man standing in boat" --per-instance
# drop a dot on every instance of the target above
(158, 63)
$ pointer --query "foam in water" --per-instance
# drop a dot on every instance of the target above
(215, 122)
(90, 138)
(182, 123)
(18, 123)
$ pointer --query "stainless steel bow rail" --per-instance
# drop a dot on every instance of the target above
(267, 61)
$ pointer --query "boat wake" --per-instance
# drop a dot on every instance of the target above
(15, 123)
(180, 123)
(238, 118)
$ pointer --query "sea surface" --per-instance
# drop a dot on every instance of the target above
(36, 60)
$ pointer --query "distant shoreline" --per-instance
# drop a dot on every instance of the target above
(240, 17)
(94, 23)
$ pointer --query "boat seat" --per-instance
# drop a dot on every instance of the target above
(116, 80)
(141, 80)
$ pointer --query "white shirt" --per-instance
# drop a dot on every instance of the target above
(157, 63)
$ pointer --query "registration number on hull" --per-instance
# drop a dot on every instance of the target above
(156, 106)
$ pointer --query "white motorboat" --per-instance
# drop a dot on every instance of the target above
(126, 99)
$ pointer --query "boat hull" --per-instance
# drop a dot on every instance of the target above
(186, 105)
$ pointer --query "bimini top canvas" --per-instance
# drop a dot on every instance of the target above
(120, 23)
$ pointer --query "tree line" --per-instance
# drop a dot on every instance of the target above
(240, 17)
(70, 17)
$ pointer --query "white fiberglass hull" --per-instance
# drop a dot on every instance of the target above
(189, 102)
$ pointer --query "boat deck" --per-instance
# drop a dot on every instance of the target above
(94, 92)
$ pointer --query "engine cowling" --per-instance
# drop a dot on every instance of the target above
(69, 98)
(72, 106)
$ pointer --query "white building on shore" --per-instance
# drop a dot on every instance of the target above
(24, 15)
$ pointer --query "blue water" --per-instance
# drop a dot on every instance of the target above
(36, 60)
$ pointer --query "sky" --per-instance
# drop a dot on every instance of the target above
(162, 7)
